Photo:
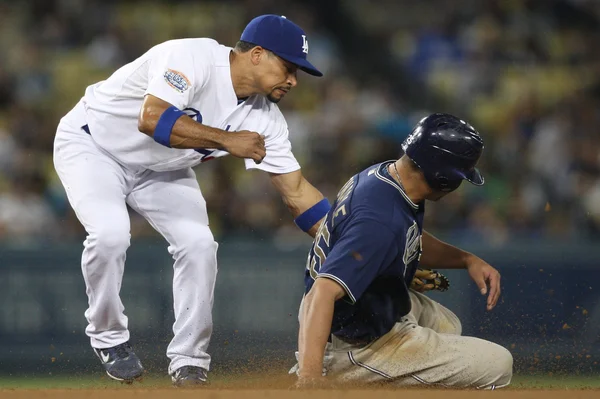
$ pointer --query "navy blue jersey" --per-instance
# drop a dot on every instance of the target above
(370, 243)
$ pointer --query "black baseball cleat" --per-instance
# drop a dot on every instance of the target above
(120, 362)
(189, 376)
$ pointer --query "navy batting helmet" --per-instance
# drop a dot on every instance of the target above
(446, 149)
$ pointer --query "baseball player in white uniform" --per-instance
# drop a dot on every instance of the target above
(133, 140)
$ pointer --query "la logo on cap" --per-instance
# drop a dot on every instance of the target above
(304, 40)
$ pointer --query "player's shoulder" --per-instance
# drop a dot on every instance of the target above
(190, 42)
(378, 197)
(201, 49)
(375, 186)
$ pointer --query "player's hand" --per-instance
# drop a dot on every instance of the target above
(428, 280)
(312, 383)
(487, 279)
(246, 144)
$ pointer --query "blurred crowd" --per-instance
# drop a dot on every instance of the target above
(524, 73)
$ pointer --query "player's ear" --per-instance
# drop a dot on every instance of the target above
(256, 54)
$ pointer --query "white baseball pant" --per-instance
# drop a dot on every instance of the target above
(98, 189)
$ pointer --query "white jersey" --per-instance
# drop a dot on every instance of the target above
(193, 75)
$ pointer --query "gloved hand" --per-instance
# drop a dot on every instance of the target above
(428, 280)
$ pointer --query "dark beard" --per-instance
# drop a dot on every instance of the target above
(273, 99)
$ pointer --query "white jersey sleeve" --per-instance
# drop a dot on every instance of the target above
(173, 77)
(279, 158)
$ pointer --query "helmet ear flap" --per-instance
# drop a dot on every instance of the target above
(436, 180)
(442, 181)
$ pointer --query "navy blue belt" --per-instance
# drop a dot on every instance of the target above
(86, 129)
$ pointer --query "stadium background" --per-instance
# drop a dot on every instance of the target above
(526, 74)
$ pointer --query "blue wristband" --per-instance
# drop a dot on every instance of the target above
(311, 216)
(162, 131)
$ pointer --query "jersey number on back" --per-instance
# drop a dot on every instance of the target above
(320, 250)
(321, 246)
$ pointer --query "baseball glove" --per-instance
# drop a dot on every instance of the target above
(428, 280)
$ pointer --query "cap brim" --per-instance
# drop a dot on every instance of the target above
(475, 177)
(302, 64)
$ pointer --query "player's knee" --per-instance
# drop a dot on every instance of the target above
(496, 368)
(198, 243)
(504, 367)
(112, 240)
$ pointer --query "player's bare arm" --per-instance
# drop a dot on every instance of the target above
(187, 133)
(315, 327)
(300, 196)
(440, 255)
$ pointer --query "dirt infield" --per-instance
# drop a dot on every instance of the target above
(287, 394)
(277, 386)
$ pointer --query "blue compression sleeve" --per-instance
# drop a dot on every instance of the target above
(162, 131)
(312, 215)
